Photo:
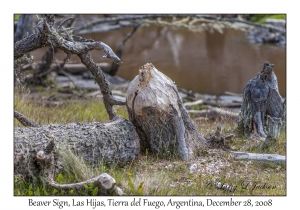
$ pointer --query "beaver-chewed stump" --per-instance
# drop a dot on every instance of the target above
(263, 109)
(156, 110)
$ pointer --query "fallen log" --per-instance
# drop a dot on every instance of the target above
(232, 94)
(194, 103)
(274, 158)
(76, 68)
(113, 142)
(222, 104)
(213, 113)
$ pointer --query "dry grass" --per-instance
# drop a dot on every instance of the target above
(151, 175)
(68, 111)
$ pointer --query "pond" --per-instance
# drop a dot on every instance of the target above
(205, 62)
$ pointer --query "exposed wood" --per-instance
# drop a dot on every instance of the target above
(198, 112)
(232, 94)
(156, 110)
(214, 113)
(273, 158)
(198, 102)
(76, 68)
(222, 104)
(104, 182)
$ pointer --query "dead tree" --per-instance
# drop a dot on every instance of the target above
(115, 142)
(263, 109)
(49, 36)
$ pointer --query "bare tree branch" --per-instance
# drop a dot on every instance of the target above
(28, 44)
(108, 99)
(64, 21)
(48, 36)
(114, 67)
(24, 120)
(49, 55)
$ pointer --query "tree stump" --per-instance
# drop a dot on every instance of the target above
(263, 109)
(156, 110)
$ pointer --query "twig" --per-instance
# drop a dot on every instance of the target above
(24, 120)
(131, 33)
(114, 67)
(64, 21)
(65, 73)
(217, 140)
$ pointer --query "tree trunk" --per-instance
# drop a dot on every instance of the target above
(157, 112)
(112, 142)
(262, 101)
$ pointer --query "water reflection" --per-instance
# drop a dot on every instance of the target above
(206, 62)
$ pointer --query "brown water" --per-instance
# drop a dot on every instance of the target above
(200, 61)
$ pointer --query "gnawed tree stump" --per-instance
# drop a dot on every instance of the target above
(263, 109)
(112, 142)
(157, 112)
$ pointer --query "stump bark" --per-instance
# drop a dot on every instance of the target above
(263, 109)
(112, 142)
(156, 110)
